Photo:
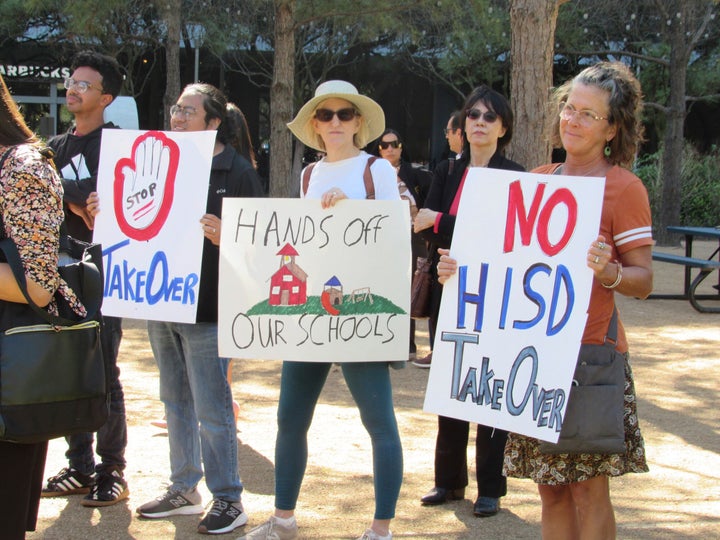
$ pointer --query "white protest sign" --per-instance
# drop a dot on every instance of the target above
(153, 191)
(299, 282)
(512, 318)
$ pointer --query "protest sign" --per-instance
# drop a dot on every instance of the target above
(299, 282)
(153, 191)
(512, 317)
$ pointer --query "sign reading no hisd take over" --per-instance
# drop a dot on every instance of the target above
(512, 318)
(303, 283)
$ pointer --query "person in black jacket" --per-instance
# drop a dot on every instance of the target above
(193, 378)
(487, 129)
(95, 82)
(413, 184)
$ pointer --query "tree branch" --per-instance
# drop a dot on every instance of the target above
(606, 52)
(657, 106)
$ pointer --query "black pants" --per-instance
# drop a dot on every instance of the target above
(451, 457)
(112, 436)
(21, 468)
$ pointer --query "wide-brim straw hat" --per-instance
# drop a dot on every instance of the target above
(372, 114)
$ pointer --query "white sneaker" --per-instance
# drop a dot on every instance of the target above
(272, 530)
(369, 534)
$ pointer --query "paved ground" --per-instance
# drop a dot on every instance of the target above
(676, 360)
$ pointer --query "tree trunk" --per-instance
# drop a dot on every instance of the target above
(532, 24)
(672, 159)
(171, 16)
(281, 102)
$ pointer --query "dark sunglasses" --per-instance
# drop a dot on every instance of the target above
(488, 116)
(344, 115)
(387, 144)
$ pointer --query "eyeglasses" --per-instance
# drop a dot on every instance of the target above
(80, 86)
(384, 145)
(487, 116)
(449, 130)
(585, 117)
(344, 115)
(185, 112)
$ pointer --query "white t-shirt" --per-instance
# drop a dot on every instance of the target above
(347, 175)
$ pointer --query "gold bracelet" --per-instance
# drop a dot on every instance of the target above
(618, 279)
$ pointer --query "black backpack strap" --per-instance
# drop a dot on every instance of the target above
(4, 157)
(612, 334)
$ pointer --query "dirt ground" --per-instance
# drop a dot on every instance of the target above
(676, 360)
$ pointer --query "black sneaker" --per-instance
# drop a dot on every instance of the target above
(110, 487)
(68, 481)
(223, 517)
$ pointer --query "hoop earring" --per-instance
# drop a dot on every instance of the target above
(607, 150)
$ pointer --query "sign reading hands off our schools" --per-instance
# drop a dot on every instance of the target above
(512, 317)
(299, 282)
(153, 189)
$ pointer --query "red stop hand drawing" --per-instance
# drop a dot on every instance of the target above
(144, 185)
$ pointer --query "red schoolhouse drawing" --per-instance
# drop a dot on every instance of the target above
(288, 286)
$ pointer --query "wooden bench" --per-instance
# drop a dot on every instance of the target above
(706, 267)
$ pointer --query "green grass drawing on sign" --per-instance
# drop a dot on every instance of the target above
(380, 304)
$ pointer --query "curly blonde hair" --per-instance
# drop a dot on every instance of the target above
(625, 103)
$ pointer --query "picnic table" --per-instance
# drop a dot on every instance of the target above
(705, 266)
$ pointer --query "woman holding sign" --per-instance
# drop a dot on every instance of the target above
(487, 130)
(598, 124)
(338, 121)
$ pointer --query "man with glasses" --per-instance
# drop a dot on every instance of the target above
(95, 82)
(453, 133)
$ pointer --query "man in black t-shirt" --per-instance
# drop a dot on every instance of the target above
(94, 84)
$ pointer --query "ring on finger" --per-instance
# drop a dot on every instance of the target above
(597, 259)
(601, 245)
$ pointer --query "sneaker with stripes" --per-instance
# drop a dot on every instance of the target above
(68, 481)
(109, 488)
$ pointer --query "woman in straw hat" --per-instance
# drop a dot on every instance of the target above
(339, 122)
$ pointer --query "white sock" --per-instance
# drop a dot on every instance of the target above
(286, 522)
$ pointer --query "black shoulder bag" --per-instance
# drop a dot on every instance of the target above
(594, 417)
(53, 377)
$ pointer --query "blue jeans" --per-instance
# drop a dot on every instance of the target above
(198, 407)
(369, 384)
(112, 436)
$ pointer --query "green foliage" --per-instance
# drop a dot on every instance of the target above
(638, 33)
(700, 192)
(462, 44)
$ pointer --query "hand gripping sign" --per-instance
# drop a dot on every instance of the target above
(144, 185)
